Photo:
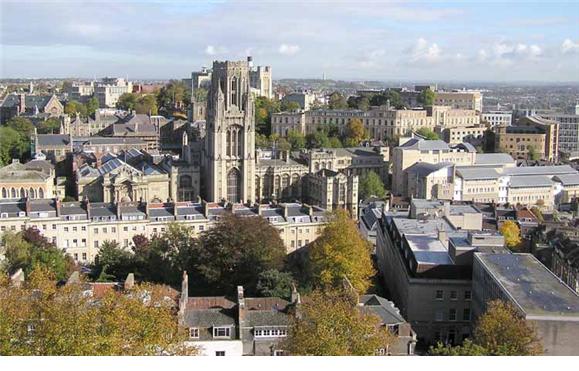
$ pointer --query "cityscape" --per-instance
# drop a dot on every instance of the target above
(209, 205)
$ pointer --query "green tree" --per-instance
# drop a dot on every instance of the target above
(28, 249)
(359, 102)
(340, 251)
(331, 324)
(532, 153)
(12, 145)
(390, 96)
(264, 108)
(49, 126)
(512, 234)
(127, 101)
(371, 185)
(173, 97)
(73, 107)
(91, 106)
(235, 251)
(147, 104)
(274, 283)
(296, 139)
(288, 106)
(426, 97)
(200, 94)
(467, 348)
(334, 142)
(337, 101)
(113, 262)
(22, 125)
(427, 133)
(319, 139)
(355, 132)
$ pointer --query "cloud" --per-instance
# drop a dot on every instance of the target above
(422, 51)
(212, 50)
(569, 47)
(505, 54)
(287, 49)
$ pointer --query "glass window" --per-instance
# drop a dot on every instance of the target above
(194, 333)
(439, 295)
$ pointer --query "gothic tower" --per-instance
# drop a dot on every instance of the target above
(230, 138)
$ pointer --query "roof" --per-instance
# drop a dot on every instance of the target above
(53, 139)
(385, 309)
(425, 145)
(530, 181)
(428, 250)
(537, 291)
(540, 170)
(209, 317)
(424, 168)
(31, 101)
(477, 173)
(493, 159)
(567, 179)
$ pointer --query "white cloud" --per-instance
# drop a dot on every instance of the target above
(287, 49)
(213, 50)
(425, 52)
(569, 47)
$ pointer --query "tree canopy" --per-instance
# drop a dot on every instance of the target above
(13, 144)
(427, 133)
(296, 139)
(49, 126)
(355, 132)
(175, 96)
(371, 185)
(500, 331)
(73, 107)
(340, 251)
(426, 97)
(512, 234)
(274, 283)
(337, 101)
(331, 324)
(264, 108)
(40, 318)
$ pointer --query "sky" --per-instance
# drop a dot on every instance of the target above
(349, 40)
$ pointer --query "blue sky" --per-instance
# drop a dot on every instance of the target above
(356, 40)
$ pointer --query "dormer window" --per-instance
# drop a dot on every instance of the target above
(194, 333)
(221, 332)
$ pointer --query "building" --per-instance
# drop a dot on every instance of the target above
(568, 130)
(134, 125)
(565, 261)
(261, 80)
(425, 259)
(247, 326)
(54, 147)
(305, 99)
(471, 134)
(469, 100)
(30, 106)
(539, 296)
(34, 179)
(81, 91)
(333, 190)
(497, 118)
(80, 227)
(230, 145)
(109, 90)
(530, 134)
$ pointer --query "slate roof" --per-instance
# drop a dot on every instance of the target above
(209, 317)
(540, 170)
(493, 159)
(567, 179)
(425, 145)
(425, 168)
(385, 309)
(53, 140)
(31, 101)
(530, 181)
(476, 173)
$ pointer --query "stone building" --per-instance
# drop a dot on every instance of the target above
(34, 179)
(261, 79)
(30, 106)
(530, 132)
(469, 100)
(109, 90)
(333, 190)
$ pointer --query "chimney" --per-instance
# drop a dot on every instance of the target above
(87, 206)
(184, 296)
(241, 309)
(118, 209)
(285, 210)
(129, 282)
(17, 278)
(21, 103)
(58, 206)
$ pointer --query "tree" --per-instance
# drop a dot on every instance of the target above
(337, 101)
(371, 185)
(512, 234)
(283, 145)
(29, 249)
(235, 251)
(331, 324)
(426, 97)
(22, 125)
(532, 153)
(173, 97)
(264, 108)
(319, 139)
(43, 319)
(146, 104)
(296, 139)
(468, 348)
(538, 214)
(112, 262)
(12, 145)
(286, 106)
(127, 101)
(274, 283)
(427, 133)
(200, 94)
(91, 106)
(334, 142)
(390, 96)
(73, 107)
(340, 251)
(355, 132)
(49, 126)
(360, 102)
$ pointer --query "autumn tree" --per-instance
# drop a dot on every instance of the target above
(427, 133)
(371, 185)
(500, 331)
(127, 101)
(331, 324)
(235, 251)
(43, 319)
(146, 104)
(73, 107)
(173, 97)
(512, 234)
(355, 132)
(264, 108)
(337, 101)
(340, 251)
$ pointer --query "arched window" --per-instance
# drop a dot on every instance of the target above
(228, 143)
(31, 192)
(4, 193)
(40, 193)
(296, 185)
(285, 185)
(233, 185)
(22, 193)
(234, 91)
(13, 192)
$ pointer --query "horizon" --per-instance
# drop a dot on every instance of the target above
(370, 40)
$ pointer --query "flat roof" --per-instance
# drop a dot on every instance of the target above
(428, 250)
(537, 291)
